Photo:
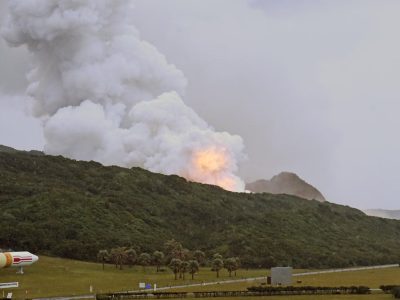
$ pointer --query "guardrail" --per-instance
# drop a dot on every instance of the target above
(255, 291)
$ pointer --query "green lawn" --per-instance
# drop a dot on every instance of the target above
(56, 276)
(60, 277)
(370, 278)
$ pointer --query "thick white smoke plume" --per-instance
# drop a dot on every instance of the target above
(106, 95)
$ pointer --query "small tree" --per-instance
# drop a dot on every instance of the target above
(231, 265)
(174, 249)
(113, 257)
(158, 258)
(396, 292)
(199, 256)
(118, 256)
(186, 254)
(175, 266)
(238, 264)
(103, 256)
(144, 260)
(217, 265)
(217, 255)
(184, 268)
(131, 256)
(193, 267)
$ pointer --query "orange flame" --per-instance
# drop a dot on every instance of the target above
(210, 160)
(210, 166)
(227, 183)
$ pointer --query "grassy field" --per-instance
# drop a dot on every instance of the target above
(371, 278)
(55, 277)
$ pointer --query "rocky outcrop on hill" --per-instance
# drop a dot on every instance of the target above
(286, 183)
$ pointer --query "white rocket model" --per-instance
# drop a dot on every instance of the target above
(17, 260)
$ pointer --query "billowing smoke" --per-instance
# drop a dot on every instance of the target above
(104, 94)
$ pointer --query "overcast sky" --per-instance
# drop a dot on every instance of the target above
(311, 86)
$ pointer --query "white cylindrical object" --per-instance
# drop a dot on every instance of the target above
(17, 259)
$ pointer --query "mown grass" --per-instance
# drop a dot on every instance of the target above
(371, 278)
(56, 276)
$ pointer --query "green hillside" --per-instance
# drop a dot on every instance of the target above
(57, 206)
(7, 149)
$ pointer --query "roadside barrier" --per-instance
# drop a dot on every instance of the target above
(253, 291)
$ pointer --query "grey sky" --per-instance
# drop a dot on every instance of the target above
(311, 86)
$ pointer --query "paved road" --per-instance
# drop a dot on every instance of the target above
(347, 270)
(231, 281)
(68, 297)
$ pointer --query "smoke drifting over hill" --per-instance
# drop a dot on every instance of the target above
(104, 94)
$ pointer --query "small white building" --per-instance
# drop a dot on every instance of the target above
(281, 276)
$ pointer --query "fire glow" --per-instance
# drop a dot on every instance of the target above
(211, 160)
(211, 166)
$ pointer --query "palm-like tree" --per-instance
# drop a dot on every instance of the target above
(144, 260)
(217, 255)
(238, 263)
(119, 256)
(158, 258)
(103, 256)
(199, 256)
(131, 256)
(217, 265)
(175, 266)
(193, 267)
(231, 265)
(184, 268)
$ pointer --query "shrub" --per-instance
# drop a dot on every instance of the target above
(396, 292)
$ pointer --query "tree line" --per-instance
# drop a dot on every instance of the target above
(177, 258)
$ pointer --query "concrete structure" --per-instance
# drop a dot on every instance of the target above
(281, 276)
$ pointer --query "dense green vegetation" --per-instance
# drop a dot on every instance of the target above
(396, 292)
(57, 206)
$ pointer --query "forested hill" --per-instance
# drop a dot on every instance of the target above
(53, 205)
